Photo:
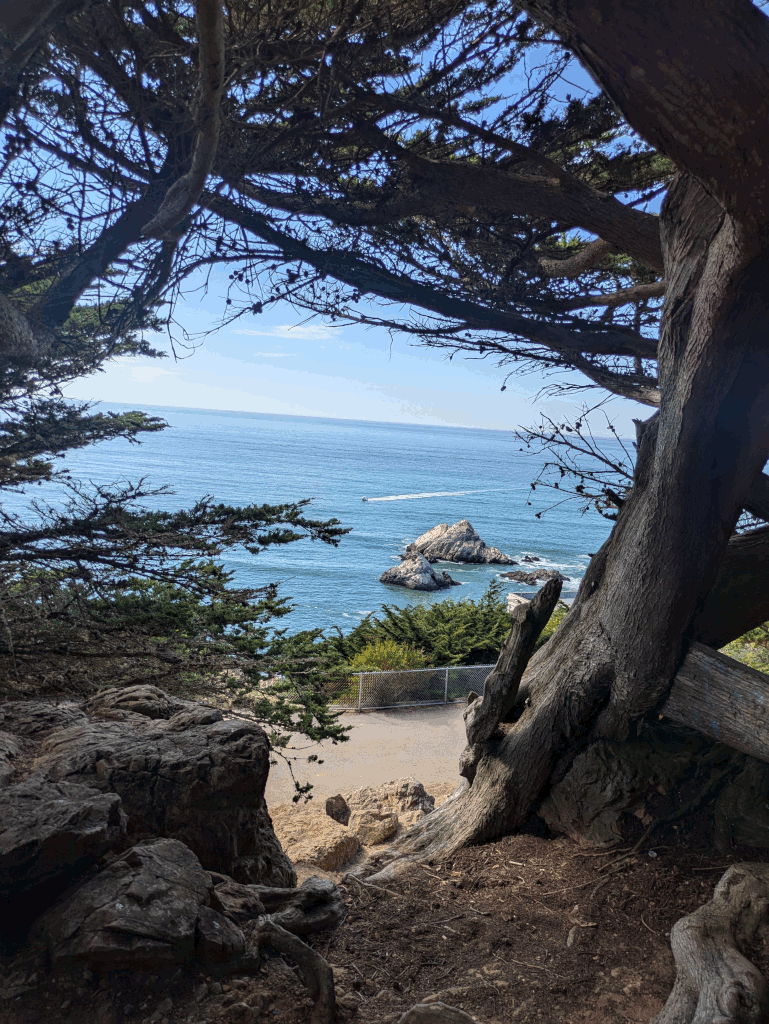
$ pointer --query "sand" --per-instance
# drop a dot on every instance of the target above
(383, 745)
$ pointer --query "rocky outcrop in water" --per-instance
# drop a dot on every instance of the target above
(532, 578)
(416, 573)
(457, 543)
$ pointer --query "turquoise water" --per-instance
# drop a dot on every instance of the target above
(414, 477)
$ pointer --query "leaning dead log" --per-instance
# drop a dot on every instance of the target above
(715, 983)
(722, 699)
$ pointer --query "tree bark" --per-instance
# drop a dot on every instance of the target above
(715, 982)
(618, 650)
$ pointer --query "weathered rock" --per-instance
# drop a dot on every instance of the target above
(311, 837)
(531, 578)
(148, 701)
(406, 798)
(336, 808)
(192, 777)
(373, 827)
(142, 910)
(435, 1013)
(416, 573)
(514, 601)
(457, 543)
(50, 830)
(217, 939)
(531, 558)
(32, 719)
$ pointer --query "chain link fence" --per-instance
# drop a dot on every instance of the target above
(412, 687)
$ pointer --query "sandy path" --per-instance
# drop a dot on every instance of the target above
(383, 745)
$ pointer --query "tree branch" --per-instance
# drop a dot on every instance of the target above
(369, 278)
(575, 265)
(185, 192)
(699, 100)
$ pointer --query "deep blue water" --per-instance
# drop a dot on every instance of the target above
(424, 475)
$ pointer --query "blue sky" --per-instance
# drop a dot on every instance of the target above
(278, 362)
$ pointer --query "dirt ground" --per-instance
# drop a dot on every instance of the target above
(528, 929)
(424, 742)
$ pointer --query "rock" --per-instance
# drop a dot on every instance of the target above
(240, 1013)
(406, 798)
(435, 1013)
(349, 1002)
(32, 719)
(216, 938)
(53, 830)
(514, 601)
(141, 911)
(190, 776)
(531, 578)
(372, 827)
(336, 808)
(457, 543)
(416, 573)
(531, 558)
(311, 837)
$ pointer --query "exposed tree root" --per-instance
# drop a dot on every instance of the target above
(715, 983)
(315, 906)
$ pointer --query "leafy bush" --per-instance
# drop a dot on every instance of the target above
(751, 649)
(388, 656)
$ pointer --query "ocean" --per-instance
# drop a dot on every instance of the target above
(413, 476)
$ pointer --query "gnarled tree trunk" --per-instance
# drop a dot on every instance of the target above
(668, 570)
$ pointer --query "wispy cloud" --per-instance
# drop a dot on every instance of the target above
(300, 332)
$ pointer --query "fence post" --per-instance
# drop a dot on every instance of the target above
(446, 687)
(360, 690)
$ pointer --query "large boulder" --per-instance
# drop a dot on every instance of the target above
(405, 798)
(146, 908)
(416, 573)
(180, 770)
(457, 543)
(312, 837)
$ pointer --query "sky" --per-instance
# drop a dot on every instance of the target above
(279, 362)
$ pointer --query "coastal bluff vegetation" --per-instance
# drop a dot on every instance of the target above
(429, 168)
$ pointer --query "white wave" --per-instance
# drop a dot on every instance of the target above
(437, 494)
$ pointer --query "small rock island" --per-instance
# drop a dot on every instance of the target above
(457, 543)
(416, 573)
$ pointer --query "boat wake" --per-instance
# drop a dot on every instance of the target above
(436, 494)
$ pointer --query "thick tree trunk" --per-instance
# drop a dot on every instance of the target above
(616, 653)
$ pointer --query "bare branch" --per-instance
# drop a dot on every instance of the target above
(575, 265)
(185, 192)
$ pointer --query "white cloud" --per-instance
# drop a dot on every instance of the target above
(301, 332)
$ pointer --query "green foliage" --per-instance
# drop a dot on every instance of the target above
(388, 656)
(448, 632)
(751, 649)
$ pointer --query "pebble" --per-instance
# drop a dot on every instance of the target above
(215, 988)
(200, 993)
